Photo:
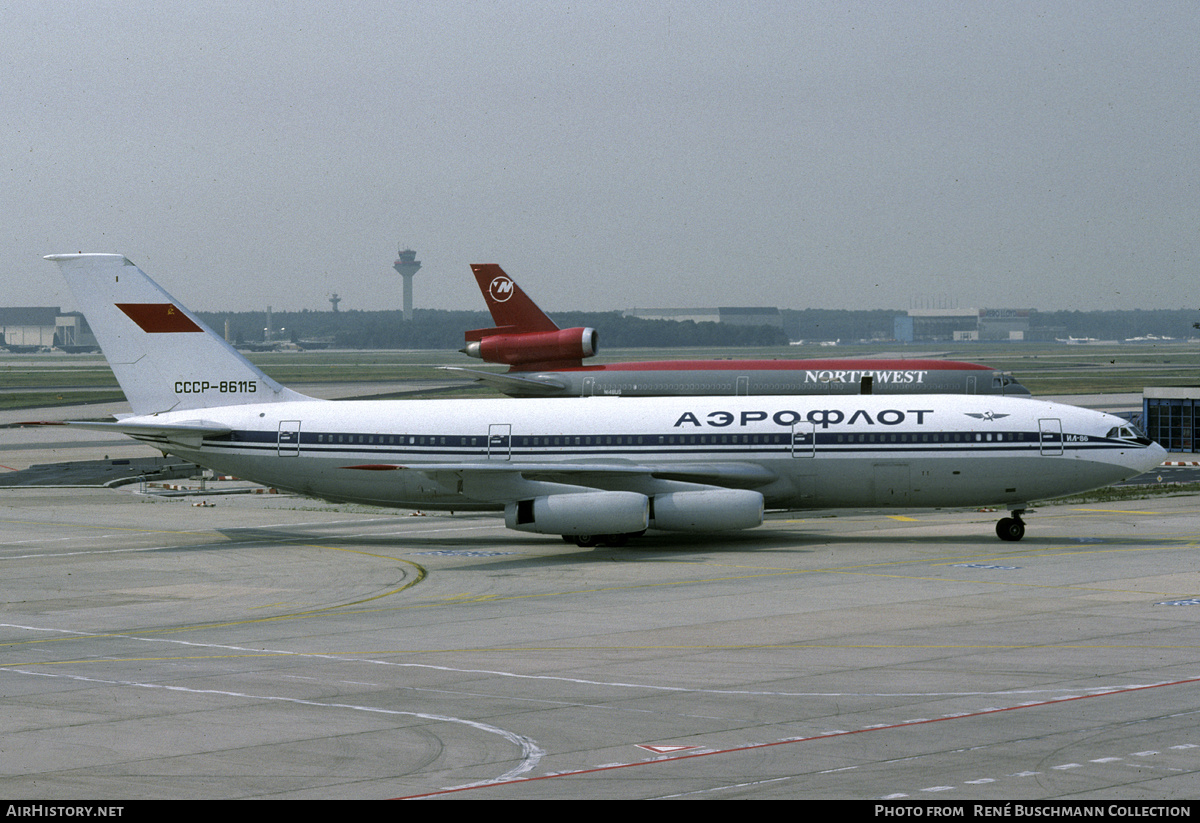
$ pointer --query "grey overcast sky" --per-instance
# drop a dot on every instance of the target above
(883, 154)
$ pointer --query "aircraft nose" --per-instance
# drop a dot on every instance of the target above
(1149, 458)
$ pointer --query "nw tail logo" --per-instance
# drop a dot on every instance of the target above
(500, 289)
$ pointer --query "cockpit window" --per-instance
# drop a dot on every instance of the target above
(1129, 432)
(1007, 384)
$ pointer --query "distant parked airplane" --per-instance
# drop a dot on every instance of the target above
(546, 361)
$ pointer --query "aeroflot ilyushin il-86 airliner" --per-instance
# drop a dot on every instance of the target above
(546, 361)
(594, 470)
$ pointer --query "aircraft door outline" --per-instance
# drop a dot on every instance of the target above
(499, 441)
(287, 443)
(1050, 435)
(804, 439)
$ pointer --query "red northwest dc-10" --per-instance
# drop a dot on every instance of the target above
(546, 361)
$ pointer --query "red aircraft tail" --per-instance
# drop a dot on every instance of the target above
(512, 310)
(524, 337)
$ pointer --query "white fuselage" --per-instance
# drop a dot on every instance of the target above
(799, 452)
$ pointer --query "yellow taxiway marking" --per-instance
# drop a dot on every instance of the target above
(1116, 511)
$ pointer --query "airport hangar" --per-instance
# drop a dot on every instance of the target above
(1171, 416)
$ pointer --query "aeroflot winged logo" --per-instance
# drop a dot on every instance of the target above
(158, 318)
(987, 415)
(500, 289)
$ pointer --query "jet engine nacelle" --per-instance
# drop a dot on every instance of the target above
(585, 513)
(707, 510)
(536, 347)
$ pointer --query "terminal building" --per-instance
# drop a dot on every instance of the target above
(729, 315)
(959, 325)
(31, 328)
(1169, 416)
(918, 326)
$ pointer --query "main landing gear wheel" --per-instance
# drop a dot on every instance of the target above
(1010, 528)
(587, 541)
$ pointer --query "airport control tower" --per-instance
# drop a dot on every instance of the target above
(407, 266)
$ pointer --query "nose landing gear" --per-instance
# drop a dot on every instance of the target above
(1012, 528)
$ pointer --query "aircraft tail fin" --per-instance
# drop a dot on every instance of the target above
(512, 310)
(163, 356)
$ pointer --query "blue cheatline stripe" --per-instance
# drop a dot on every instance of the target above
(444, 447)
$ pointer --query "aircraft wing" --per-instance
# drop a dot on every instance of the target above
(188, 435)
(508, 382)
(498, 480)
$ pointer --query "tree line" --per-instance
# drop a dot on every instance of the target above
(437, 329)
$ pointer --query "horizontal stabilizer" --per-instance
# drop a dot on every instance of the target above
(183, 434)
(509, 382)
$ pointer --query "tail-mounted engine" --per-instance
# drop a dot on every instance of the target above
(564, 347)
